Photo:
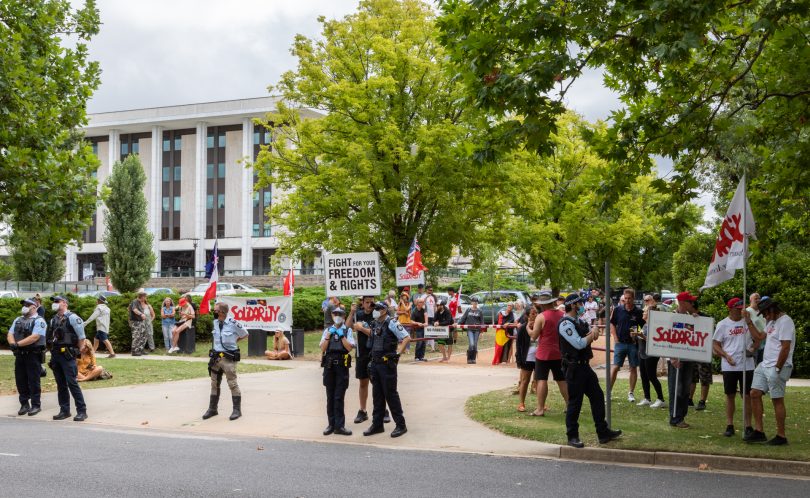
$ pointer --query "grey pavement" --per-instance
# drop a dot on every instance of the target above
(76, 460)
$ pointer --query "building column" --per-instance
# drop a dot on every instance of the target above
(71, 265)
(155, 212)
(199, 195)
(247, 194)
(114, 153)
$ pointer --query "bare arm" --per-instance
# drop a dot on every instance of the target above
(539, 323)
(719, 351)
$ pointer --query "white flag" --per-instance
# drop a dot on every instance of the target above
(731, 248)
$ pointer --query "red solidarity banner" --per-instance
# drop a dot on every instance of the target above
(264, 313)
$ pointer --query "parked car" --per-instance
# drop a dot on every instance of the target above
(158, 290)
(245, 289)
(8, 293)
(223, 289)
(463, 302)
(97, 293)
(493, 302)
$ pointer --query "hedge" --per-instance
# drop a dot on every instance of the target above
(307, 314)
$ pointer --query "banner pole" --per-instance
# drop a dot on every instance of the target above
(608, 307)
(674, 399)
(745, 291)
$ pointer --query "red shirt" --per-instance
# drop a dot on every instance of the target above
(548, 345)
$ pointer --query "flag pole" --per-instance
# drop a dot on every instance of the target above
(745, 290)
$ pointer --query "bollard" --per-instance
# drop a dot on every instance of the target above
(257, 342)
(187, 342)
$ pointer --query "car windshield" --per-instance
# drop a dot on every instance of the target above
(201, 288)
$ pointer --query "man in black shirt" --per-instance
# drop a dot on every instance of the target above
(418, 322)
(360, 320)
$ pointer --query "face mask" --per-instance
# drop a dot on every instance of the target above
(376, 314)
(55, 306)
(337, 319)
(25, 310)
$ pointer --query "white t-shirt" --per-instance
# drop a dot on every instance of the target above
(530, 356)
(590, 311)
(781, 329)
(430, 305)
(734, 339)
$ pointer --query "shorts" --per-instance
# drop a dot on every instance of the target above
(702, 373)
(361, 367)
(733, 382)
(624, 350)
(768, 381)
(543, 367)
(528, 366)
(102, 336)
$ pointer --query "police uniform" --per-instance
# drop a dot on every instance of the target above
(223, 359)
(65, 334)
(336, 362)
(581, 379)
(385, 335)
(28, 358)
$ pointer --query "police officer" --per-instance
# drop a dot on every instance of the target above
(386, 334)
(26, 336)
(65, 335)
(575, 346)
(224, 356)
(336, 345)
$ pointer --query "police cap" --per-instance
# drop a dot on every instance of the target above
(57, 299)
(379, 305)
(28, 302)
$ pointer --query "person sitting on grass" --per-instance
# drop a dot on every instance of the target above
(86, 364)
(186, 312)
(281, 347)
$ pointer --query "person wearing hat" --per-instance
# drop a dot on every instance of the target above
(730, 341)
(138, 315)
(575, 348)
(548, 357)
(682, 371)
(336, 345)
(66, 334)
(223, 356)
(40, 308)
(102, 314)
(26, 337)
(388, 340)
(472, 316)
(772, 374)
(443, 318)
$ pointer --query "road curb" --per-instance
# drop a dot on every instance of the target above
(791, 468)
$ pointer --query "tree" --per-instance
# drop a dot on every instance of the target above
(35, 256)
(45, 168)
(129, 255)
(392, 158)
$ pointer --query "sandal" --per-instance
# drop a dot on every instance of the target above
(535, 414)
(521, 407)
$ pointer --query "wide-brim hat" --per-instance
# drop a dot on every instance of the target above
(546, 298)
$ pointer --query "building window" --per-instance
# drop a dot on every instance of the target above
(177, 173)
(255, 229)
(165, 204)
(221, 170)
(172, 185)
(209, 201)
(177, 203)
(209, 172)
(266, 232)
(165, 173)
(136, 146)
(221, 140)
(210, 141)
(178, 142)
(124, 148)
(267, 198)
(256, 200)
(167, 145)
(255, 138)
(176, 233)
(94, 146)
(220, 201)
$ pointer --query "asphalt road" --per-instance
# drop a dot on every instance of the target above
(70, 459)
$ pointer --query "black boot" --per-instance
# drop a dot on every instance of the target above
(212, 408)
(469, 357)
(474, 356)
(24, 408)
(237, 407)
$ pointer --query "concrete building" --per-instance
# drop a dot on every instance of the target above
(200, 187)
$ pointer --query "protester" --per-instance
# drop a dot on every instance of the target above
(430, 306)
(167, 322)
(444, 319)
(329, 305)
(150, 327)
(648, 365)
(404, 315)
(679, 372)
(102, 315)
(758, 347)
(525, 351)
(187, 314)
(701, 371)
(26, 337)
(772, 374)
(591, 307)
(472, 316)
(575, 345)
(626, 321)
(87, 369)
(419, 321)
(730, 342)
(391, 302)
(506, 317)
(548, 357)
(281, 345)
(138, 314)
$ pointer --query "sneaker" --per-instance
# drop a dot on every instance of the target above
(631, 398)
(680, 425)
(361, 417)
(729, 431)
(111, 355)
(701, 405)
(689, 402)
(748, 431)
(756, 437)
(644, 402)
(658, 404)
(777, 441)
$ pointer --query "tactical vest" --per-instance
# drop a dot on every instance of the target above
(569, 352)
(383, 341)
(63, 333)
(23, 329)
(335, 343)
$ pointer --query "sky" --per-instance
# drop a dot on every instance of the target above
(167, 52)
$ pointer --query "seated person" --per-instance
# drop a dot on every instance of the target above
(281, 347)
(186, 312)
(86, 364)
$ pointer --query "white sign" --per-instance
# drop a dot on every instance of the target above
(675, 335)
(264, 313)
(437, 332)
(352, 274)
(409, 279)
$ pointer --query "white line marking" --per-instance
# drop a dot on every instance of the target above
(9, 454)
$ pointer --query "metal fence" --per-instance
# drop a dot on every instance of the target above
(49, 286)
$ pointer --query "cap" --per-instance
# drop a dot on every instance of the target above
(56, 299)
(141, 291)
(28, 302)
(102, 298)
(441, 302)
(474, 299)
(339, 311)
(735, 303)
(765, 302)
(546, 298)
(572, 299)
(379, 305)
(686, 296)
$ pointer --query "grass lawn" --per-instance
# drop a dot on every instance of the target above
(126, 372)
(648, 429)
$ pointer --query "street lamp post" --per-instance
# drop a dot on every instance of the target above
(193, 263)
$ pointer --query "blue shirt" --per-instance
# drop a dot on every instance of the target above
(346, 331)
(397, 330)
(40, 328)
(226, 333)
(624, 320)
(168, 311)
(568, 331)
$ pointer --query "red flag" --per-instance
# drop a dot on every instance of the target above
(211, 292)
(289, 282)
(414, 263)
